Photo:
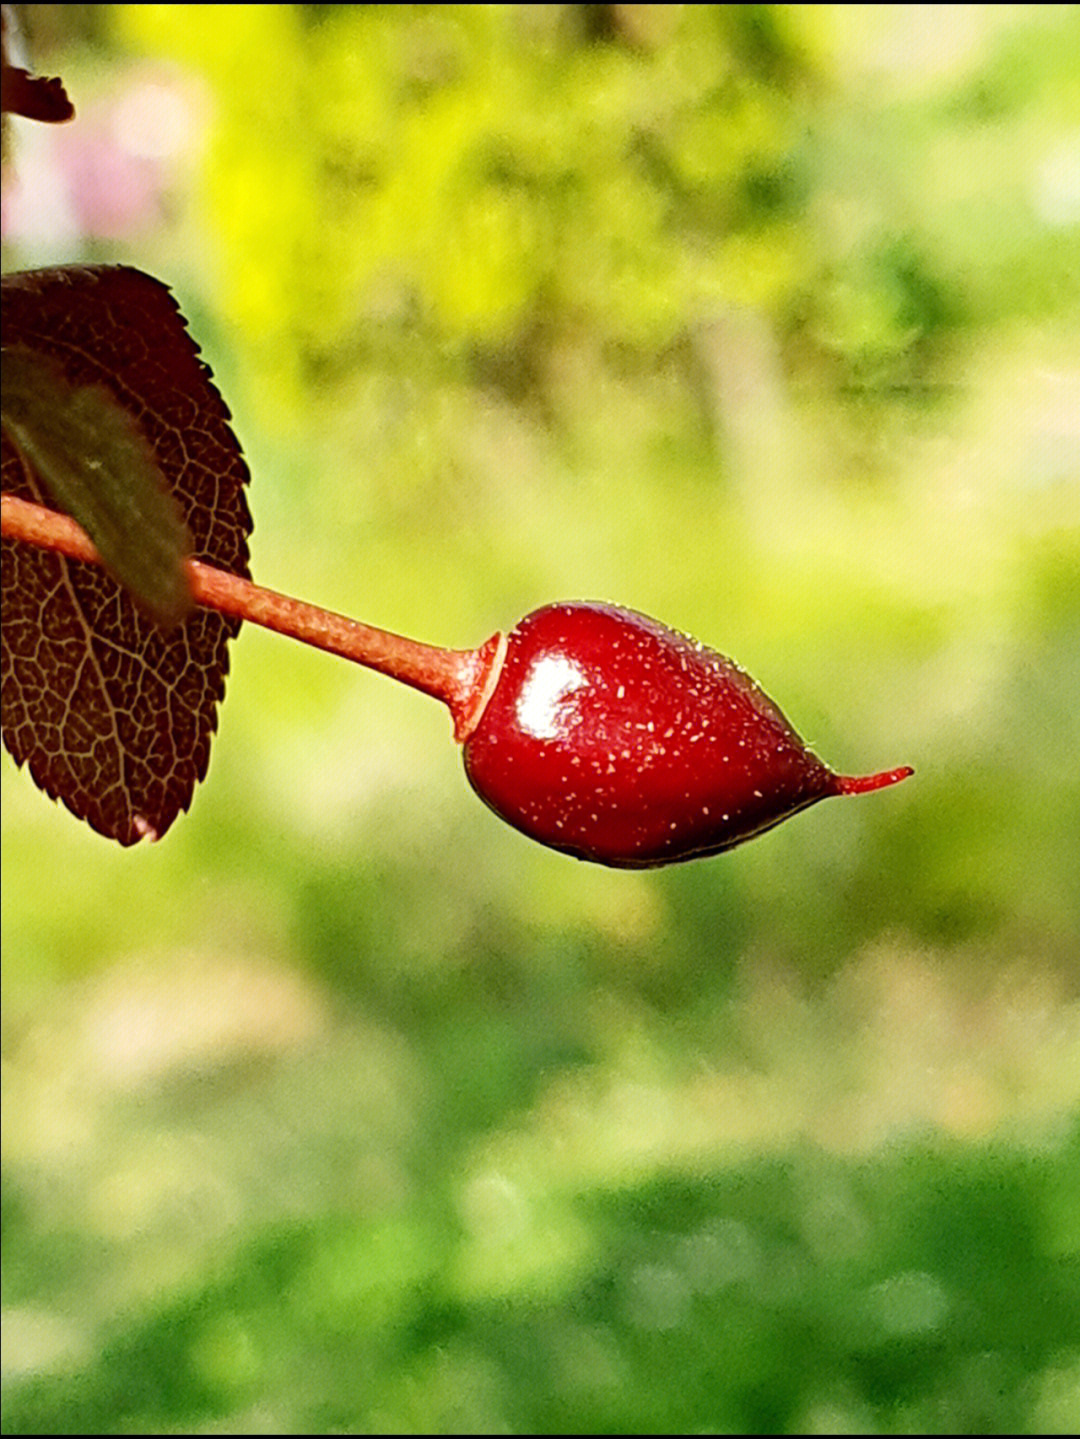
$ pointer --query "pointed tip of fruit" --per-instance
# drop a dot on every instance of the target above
(863, 784)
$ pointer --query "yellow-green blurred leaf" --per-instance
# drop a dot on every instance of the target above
(99, 469)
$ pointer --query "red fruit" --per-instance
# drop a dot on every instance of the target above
(613, 738)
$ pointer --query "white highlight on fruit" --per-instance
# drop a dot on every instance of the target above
(546, 685)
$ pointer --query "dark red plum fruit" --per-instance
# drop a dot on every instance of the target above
(591, 728)
(612, 738)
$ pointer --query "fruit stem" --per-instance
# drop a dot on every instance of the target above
(461, 679)
(863, 784)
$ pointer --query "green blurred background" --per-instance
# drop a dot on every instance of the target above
(348, 1108)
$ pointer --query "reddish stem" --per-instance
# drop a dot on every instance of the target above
(461, 679)
(863, 784)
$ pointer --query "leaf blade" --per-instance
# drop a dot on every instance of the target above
(100, 470)
(111, 716)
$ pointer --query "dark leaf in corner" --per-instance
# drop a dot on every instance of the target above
(113, 716)
(32, 96)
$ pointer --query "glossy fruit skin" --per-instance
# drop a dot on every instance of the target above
(613, 738)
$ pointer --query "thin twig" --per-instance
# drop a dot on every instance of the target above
(461, 679)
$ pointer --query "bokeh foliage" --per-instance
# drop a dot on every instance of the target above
(484, 180)
(348, 1108)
